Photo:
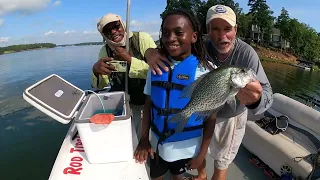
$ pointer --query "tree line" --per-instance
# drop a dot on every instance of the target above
(304, 40)
(24, 47)
(82, 44)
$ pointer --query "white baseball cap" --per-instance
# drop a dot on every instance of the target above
(108, 19)
(222, 12)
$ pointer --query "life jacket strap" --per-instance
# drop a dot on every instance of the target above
(165, 135)
(165, 111)
(167, 85)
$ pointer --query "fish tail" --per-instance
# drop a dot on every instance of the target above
(181, 120)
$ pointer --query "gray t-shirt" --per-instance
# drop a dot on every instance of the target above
(243, 55)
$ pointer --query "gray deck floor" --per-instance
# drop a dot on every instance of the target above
(240, 169)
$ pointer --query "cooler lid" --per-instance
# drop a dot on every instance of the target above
(55, 97)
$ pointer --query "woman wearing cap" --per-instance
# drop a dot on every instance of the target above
(226, 49)
(113, 32)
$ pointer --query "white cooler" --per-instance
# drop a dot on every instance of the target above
(65, 102)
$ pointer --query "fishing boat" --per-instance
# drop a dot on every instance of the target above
(72, 163)
(292, 148)
(261, 156)
(305, 65)
(86, 154)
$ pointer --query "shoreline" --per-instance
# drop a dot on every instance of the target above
(265, 59)
(262, 58)
(11, 52)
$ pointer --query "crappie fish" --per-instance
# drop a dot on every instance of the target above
(211, 91)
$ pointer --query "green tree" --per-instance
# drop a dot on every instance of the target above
(311, 44)
(192, 5)
(234, 6)
(262, 17)
(244, 25)
(23, 47)
(283, 24)
(200, 8)
(202, 13)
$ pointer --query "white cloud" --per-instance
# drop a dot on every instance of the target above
(1, 22)
(4, 39)
(72, 36)
(137, 23)
(155, 35)
(57, 3)
(69, 32)
(151, 27)
(49, 33)
(22, 6)
(90, 32)
(96, 20)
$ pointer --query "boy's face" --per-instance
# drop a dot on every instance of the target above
(178, 36)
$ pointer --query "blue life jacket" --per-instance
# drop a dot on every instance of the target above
(166, 101)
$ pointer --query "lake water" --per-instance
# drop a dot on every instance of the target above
(31, 140)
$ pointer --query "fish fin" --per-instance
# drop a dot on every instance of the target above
(202, 114)
(175, 118)
(180, 126)
(206, 114)
(180, 119)
(187, 91)
(199, 117)
(232, 101)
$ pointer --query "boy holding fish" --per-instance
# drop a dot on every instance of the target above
(225, 49)
(179, 109)
(181, 40)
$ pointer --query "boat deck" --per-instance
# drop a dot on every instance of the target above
(240, 169)
(76, 162)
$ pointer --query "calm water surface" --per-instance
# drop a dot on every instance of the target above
(30, 140)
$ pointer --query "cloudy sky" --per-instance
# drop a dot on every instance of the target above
(74, 21)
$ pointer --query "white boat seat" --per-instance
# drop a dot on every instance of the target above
(280, 149)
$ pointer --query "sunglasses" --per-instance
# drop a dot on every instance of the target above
(108, 29)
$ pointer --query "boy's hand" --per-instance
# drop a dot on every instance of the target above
(195, 162)
(144, 148)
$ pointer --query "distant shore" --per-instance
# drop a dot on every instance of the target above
(38, 46)
(10, 52)
(262, 52)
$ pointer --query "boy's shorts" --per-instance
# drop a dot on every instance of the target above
(226, 139)
(160, 169)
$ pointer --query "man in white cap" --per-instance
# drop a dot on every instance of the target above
(225, 48)
(114, 33)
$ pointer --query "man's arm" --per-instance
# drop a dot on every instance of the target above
(138, 67)
(266, 98)
(100, 81)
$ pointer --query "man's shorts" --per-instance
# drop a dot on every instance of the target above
(226, 139)
(160, 169)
